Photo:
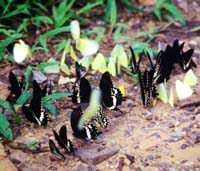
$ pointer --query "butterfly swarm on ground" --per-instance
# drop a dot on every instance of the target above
(35, 111)
(161, 70)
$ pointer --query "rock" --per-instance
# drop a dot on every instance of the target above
(52, 168)
(174, 139)
(197, 139)
(29, 169)
(94, 155)
(85, 168)
(19, 157)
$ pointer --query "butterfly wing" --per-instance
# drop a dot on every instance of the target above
(106, 87)
(16, 88)
(29, 114)
(54, 150)
(85, 90)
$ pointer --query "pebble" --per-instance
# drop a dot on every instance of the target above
(94, 155)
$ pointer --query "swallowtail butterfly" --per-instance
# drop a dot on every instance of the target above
(62, 139)
(88, 131)
(111, 96)
(36, 112)
(81, 91)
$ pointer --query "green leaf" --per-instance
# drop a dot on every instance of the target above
(28, 76)
(157, 13)
(60, 46)
(86, 8)
(52, 69)
(55, 96)
(42, 66)
(175, 12)
(9, 107)
(5, 129)
(23, 98)
(51, 108)
(111, 12)
(129, 5)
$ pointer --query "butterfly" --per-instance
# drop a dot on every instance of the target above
(55, 151)
(163, 66)
(63, 141)
(147, 87)
(111, 96)
(81, 91)
(36, 112)
(16, 86)
(88, 131)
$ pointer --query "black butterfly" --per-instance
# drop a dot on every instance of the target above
(16, 86)
(81, 91)
(36, 112)
(183, 58)
(163, 66)
(55, 151)
(99, 120)
(172, 55)
(147, 87)
(88, 131)
(62, 139)
(111, 96)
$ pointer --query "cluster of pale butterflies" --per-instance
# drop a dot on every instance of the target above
(161, 70)
(35, 112)
(111, 97)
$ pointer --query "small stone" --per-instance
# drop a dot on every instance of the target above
(94, 155)
(127, 162)
(53, 168)
(197, 139)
